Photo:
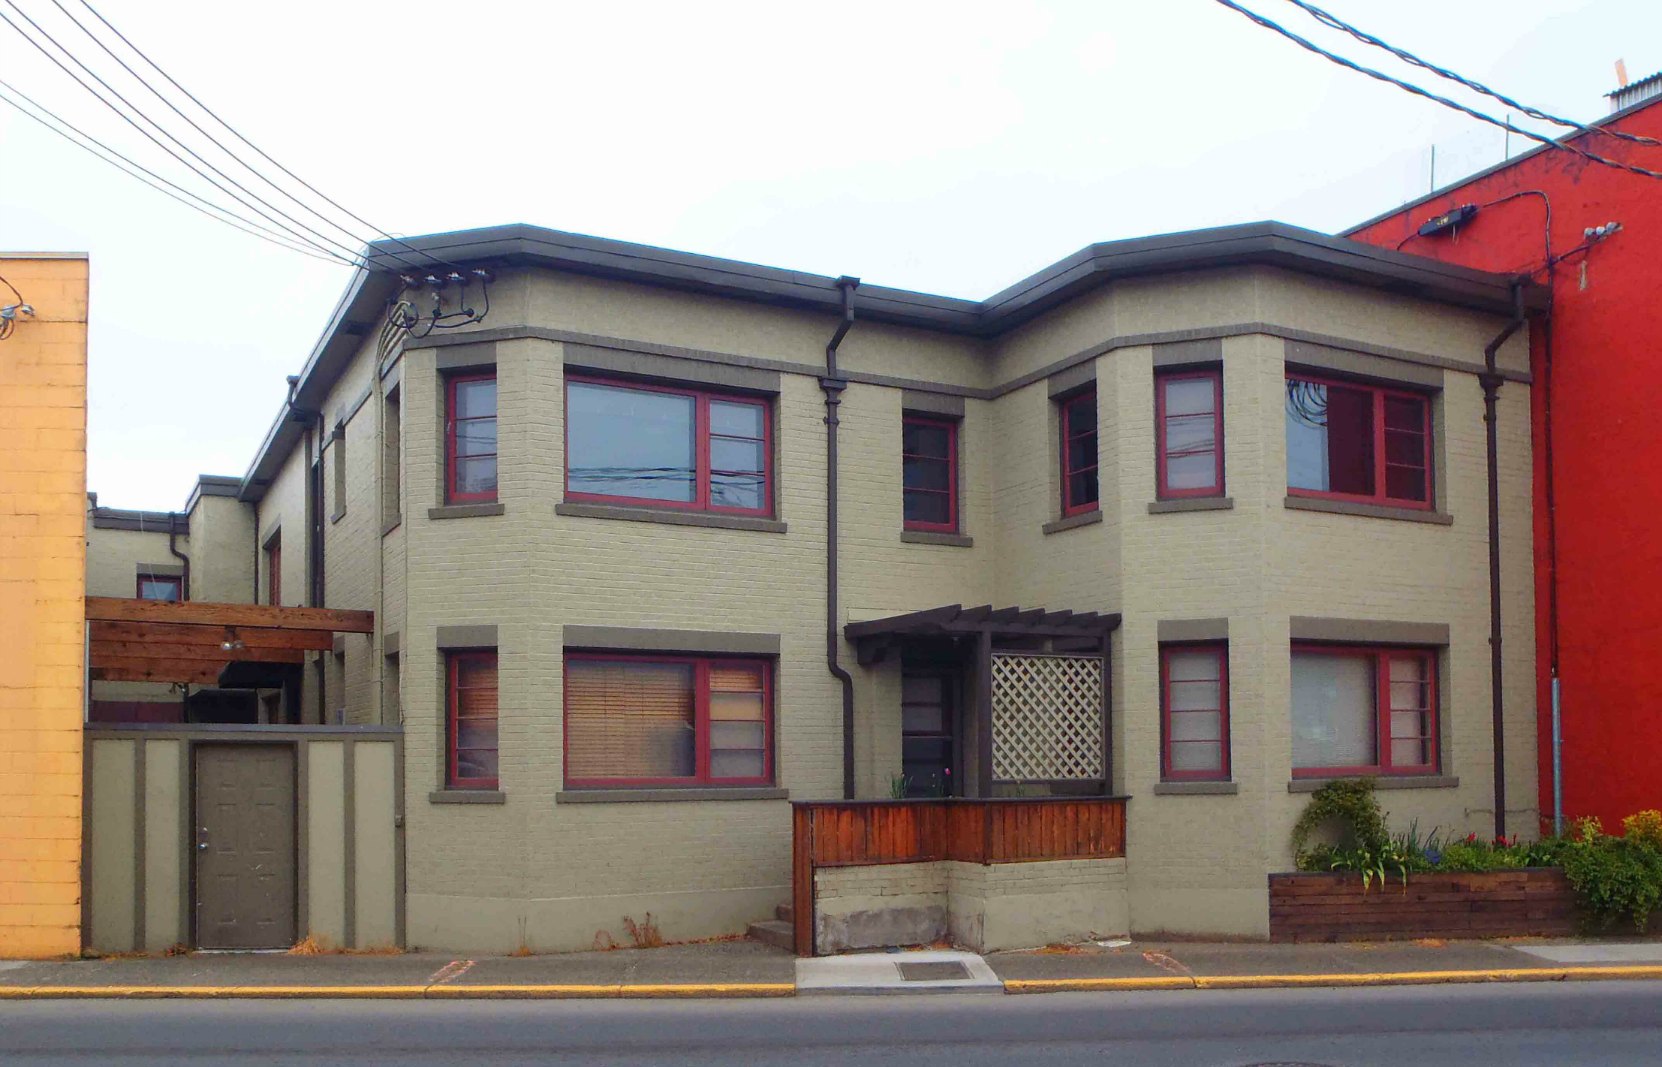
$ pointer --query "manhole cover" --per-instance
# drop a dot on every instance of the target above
(939, 971)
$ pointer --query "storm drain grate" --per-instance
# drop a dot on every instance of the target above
(937, 971)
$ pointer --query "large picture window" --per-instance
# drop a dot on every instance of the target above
(667, 447)
(471, 720)
(1194, 704)
(1079, 453)
(667, 720)
(1188, 427)
(929, 473)
(1364, 710)
(470, 439)
(1358, 442)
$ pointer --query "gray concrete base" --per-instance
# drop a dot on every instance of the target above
(1632, 952)
(880, 973)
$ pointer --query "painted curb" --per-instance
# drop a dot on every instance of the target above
(1285, 981)
(402, 992)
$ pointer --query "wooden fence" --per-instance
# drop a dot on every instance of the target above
(1323, 906)
(859, 833)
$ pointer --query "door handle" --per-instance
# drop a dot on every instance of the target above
(202, 839)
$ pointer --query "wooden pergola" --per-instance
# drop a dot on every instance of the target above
(192, 642)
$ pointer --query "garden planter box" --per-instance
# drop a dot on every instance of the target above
(1528, 902)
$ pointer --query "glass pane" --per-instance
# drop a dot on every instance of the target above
(726, 735)
(1405, 483)
(1410, 688)
(935, 508)
(1409, 724)
(922, 719)
(922, 688)
(475, 399)
(629, 719)
(1199, 471)
(1191, 433)
(1082, 489)
(1082, 452)
(475, 733)
(1306, 435)
(737, 765)
(727, 676)
(1405, 413)
(476, 437)
(1404, 447)
(736, 706)
(1195, 696)
(1081, 416)
(1410, 753)
(745, 491)
(1333, 711)
(630, 443)
(1201, 756)
(926, 474)
(158, 590)
(476, 475)
(923, 439)
(1350, 467)
(1189, 396)
(736, 420)
(1195, 726)
(479, 763)
(729, 455)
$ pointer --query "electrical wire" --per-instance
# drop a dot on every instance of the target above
(129, 167)
(13, 288)
(1334, 22)
(239, 136)
(322, 243)
(1409, 87)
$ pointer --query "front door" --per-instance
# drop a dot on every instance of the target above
(245, 846)
(926, 732)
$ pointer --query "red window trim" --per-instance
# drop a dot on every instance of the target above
(1161, 380)
(1064, 406)
(951, 428)
(1224, 771)
(1381, 656)
(451, 495)
(1379, 496)
(174, 580)
(452, 780)
(701, 722)
(701, 449)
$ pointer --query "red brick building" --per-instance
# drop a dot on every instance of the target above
(1597, 364)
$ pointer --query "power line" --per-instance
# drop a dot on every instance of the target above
(321, 244)
(239, 136)
(1334, 22)
(129, 167)
(1443, 100)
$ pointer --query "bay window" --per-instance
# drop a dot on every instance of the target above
(1363, 710)
(1351, 441)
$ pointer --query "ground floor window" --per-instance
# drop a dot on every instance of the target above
(471, 720)
(1194, 704)
(160, 587)
(667, 720)
(1366, 710)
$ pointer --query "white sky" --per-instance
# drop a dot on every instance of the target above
(946, 147)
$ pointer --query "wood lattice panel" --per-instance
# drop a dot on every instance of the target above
(1047, 718)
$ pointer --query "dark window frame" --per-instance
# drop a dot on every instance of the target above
(701, 777)
(1214, 374)
(274, 571)
(1381, 656)
(1379, 393)
(950, 425)
(174, 580)
(1064, 405)
(451, 495)
(1225, 769)
(702, 399)
(453, 660)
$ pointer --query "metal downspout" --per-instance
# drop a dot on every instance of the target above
(1552, 569)
(173, 518)
(1491, 382)
(833, 385)
(315, 555)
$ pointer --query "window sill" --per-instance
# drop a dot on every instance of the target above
(1376, 511)
(392, 525)
(465, 511)
(335, 517)
(1084, 518)
(933, 537)
(1382, 781)
(467, 796)
(670, 517)
(1191, 503)
(643, 796)
(1196, 789)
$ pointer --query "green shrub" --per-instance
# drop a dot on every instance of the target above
(1364, 844)
(1615, 878)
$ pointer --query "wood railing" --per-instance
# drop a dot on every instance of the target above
(858, 833)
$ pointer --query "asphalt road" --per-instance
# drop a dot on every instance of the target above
(1469, 1026)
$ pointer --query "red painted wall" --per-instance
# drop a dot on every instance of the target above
(1606, 439)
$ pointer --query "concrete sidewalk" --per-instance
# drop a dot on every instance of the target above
(750, 969)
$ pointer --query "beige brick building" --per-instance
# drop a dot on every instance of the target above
(592, 522)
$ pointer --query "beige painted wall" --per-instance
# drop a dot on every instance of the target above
(222, 553)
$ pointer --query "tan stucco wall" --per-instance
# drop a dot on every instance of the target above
(43, 377)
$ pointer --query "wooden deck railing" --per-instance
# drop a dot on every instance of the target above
(858, 833)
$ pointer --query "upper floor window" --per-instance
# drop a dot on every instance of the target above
(664, 446)
(929, 473)
(274, 571)
(1194, 705)
(1368, 710)
(470, 438)
(160, 587)
(1079, 455)
(471, 720)
(1350, 441)
(1188, 427)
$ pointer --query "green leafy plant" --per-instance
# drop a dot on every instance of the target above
(899, 784)
(1615, 878)
(1645, 826)
(1364, 844)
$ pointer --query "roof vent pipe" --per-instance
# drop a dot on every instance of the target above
(833, 385)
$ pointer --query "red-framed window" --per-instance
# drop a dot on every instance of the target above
(668, 447)
(1188, 428)
(274, 571)
(470, 438)
(667, 720)
(1353, 441)
(471, 720)
(1194, 712)
(1079, 452)
(160, 587)
(1363, 710)
(929, 473)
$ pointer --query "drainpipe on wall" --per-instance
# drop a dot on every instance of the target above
(173, 518)
(833, 386)
(1491, 380)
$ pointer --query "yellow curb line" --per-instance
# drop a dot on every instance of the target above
(1278, 981)
(397, 992)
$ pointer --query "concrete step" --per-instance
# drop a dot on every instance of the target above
(784, 913)
(773, 932)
